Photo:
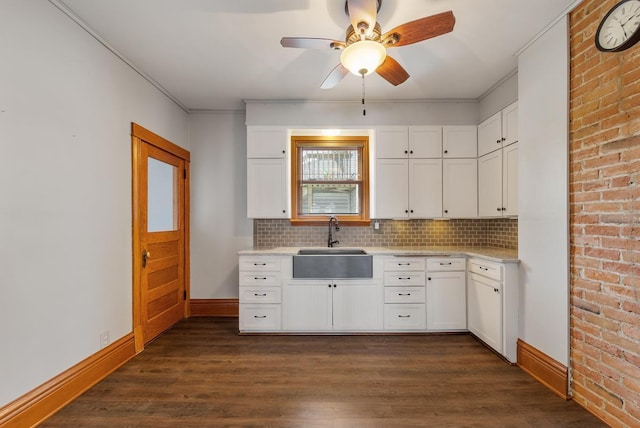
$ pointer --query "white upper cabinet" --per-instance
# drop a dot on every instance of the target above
(490, 185)
(510, 180)
(392, 142)
(425, 142)
(459, 188)
(459, 141)
(266, 188)
(400, 142)
(499, 130)
(425, 188)
(392, 188)
(490, 134)
(266, 142)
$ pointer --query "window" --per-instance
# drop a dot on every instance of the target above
(330, 177)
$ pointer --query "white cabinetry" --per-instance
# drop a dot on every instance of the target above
(498, 182)
(446, 294)
(499, 130)
(266, 172)
(260, 281)
(404, 293)
(409, 172)
(322, 305)
(459, 141)
(459, 188)
(492, 304)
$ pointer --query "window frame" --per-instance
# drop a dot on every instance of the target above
(323, 142)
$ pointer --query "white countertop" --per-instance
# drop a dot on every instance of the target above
(502, 255)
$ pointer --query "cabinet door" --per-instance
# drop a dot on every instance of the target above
(266, 142)
(392, 142)
(485, 310)
(392, 188)
(357, 306)
(510, 124)
(425, 188)
(266, 188)
(306, 306)
(510, 180)
(459, 141)
(459, 188)
(446, 301)
(425, 141)
(490, 134)
(490, 185)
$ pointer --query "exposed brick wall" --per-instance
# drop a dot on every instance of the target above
(501, 233)
(605, 217)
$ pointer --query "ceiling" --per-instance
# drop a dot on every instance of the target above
(213, 54)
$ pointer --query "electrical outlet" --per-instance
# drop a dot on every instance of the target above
(104, 339)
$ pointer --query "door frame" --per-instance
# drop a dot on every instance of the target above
(139, 136)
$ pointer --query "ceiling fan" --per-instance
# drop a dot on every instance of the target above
(365, 46)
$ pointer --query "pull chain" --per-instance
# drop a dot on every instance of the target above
(364, 107)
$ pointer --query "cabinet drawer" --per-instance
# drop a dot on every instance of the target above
(436, 264)
(260, 317)
(271, 264)
(485, 268)
(403, 263)
(260, 294)
(403, 278)
(404, 294)
(259, 278)
(405, 317)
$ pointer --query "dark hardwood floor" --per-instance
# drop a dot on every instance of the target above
(202, 374)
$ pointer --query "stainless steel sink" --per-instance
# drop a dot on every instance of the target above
(324, 263)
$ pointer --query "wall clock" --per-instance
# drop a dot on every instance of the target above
(620, 27)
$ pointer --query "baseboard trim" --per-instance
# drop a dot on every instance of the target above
(37, 405)
(543, 368)
(214, 308)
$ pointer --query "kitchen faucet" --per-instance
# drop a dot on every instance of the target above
(333, 222)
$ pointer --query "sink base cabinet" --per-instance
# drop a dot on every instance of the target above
(326, 305)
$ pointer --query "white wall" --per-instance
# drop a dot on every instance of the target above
(543, 243)
(66, 104)
(500, 96)
(219, 224)
(349, 114)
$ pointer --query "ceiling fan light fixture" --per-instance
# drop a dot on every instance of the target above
(363, 57)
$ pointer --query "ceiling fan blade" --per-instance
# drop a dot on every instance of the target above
(420, 29)
(363, 11)
(336, 75)
(310, 43)
(392, 71)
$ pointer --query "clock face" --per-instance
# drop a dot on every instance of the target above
(620, 28)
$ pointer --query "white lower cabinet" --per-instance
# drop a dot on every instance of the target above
(446, 294)
(492, 304)
(260, 291)
(404, 293)
(338, 305)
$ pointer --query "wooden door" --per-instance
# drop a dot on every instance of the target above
(160, 238)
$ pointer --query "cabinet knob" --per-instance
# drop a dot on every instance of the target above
(446, 151)
(429, 278)
(329, 285)
(496, 290)
(405, 152)
(334, 285)
(411, 152)
(504, 139)
(406, 211)
(411, 210)
(283, 151)
(284, 211)
(499, 209)
(446, 211)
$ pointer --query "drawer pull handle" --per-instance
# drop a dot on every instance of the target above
(404, 264)
(260, 316)
(495, 290)
(260, 294)
(258, 277)
(445, 264)
(404, 294)
(483, 268)
(404, 316)
(404, 278)
(259, 264)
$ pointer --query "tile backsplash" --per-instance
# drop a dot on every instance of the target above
(501, 233)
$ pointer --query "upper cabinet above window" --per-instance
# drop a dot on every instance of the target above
(266, 142)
